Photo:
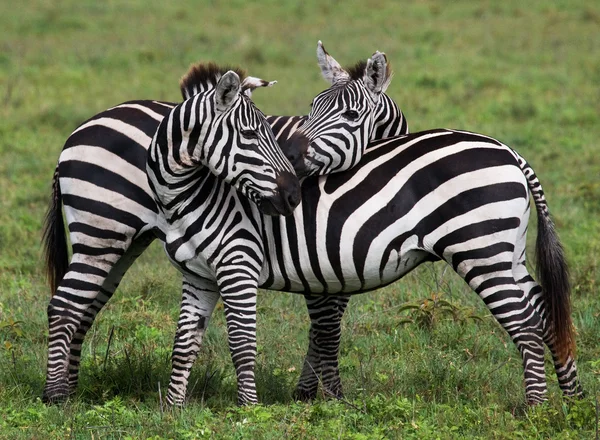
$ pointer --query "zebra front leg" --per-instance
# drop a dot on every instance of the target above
(239, 300)
(321, 362)
(197, 304)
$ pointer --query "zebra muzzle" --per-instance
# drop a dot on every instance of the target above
(286, 199)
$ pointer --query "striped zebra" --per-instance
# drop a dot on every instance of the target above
(110, 212)
(449, 195)
(444, 195)
(216, 139)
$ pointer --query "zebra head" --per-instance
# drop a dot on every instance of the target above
(254, 164)
(220, 128)
(343, 117)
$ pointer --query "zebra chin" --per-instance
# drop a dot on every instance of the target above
(285, 200)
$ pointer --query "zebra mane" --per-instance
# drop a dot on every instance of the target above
(204, 76)
(357, 71)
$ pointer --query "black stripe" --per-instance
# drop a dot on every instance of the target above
(103, 210)
(105, 234)
(481, 253)
(105, 178)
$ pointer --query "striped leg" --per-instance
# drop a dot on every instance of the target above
(197, 304)
(567, 375)
(238, 290)
(486, 262)
(110, 284)
(321, 360)
(496, 285)
(566, 372)
(68, 311)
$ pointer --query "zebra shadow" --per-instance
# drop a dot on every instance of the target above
(144, 377)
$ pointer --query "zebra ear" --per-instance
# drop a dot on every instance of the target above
(227, 90)
(330, 68)
(250, 83)
(377, 74)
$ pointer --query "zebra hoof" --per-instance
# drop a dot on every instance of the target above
(56, 396)
(335, 393)
(304, 395)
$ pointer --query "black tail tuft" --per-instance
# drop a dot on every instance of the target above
(54, 238)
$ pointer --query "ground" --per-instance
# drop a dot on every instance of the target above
(413, 366)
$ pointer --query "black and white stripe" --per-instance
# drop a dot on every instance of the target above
(112, 216)
(341, 121)
(444, 195)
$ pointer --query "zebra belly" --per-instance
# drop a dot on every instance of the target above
(307, 268)
(396, 267)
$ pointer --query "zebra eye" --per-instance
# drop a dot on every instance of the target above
(250, 134)
(351, 115)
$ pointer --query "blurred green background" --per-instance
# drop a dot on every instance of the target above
(527, 73)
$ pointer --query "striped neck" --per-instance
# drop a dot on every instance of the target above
(174, 167)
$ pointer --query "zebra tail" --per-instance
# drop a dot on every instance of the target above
(552, 271)
(54, 238)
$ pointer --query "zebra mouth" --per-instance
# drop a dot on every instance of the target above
(286, 199)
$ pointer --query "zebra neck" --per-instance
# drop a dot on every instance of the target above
(174, 183)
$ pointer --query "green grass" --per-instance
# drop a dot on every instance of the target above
(527, 73)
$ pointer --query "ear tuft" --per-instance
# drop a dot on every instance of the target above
(330, 68)
(250, 83)
(227, 90)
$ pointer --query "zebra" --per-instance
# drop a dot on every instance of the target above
(450, 195)
(217, 135)
(101, 181)
(441, 194)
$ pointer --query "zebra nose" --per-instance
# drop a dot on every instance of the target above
(289, 190)
(295, 149)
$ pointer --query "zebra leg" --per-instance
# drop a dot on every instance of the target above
(197, 305)
(321, 362)
(110, 284)
(68, 311)
(238, 292)
(492, 278)
(566, 372)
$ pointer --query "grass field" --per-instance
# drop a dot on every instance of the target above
(527, 73)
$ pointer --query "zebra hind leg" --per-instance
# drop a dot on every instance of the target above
(68, 311)
(566, 372)
(322, 359)
(109, 286)
(197, 306)
(494, 282)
